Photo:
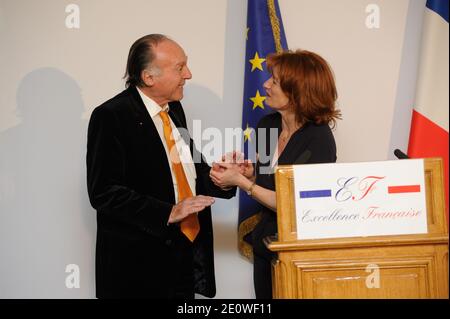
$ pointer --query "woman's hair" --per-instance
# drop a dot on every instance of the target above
(308, 82)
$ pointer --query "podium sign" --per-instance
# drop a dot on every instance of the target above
(360, 199)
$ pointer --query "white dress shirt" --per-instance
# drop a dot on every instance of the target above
(183, 149)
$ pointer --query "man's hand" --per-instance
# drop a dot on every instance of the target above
(237, 159)
(189, 206)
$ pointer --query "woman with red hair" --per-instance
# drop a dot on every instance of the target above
(302, 92)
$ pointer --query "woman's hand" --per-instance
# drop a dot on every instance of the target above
(226, 175)
(247, 169)
(245, 165)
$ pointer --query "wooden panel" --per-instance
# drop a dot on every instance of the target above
(442, 274)
(429, 198)
(417, 271)
(277, 279)
(284, 180)
(397, 279)
(435, 196)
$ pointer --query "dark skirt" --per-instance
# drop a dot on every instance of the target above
(262, 273)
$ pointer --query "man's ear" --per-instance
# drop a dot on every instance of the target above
(147, 78)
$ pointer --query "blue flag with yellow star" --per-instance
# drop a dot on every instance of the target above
(265, 35)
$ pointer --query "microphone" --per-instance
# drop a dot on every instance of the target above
(400, 154)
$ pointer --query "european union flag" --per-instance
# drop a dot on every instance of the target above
(265, 35)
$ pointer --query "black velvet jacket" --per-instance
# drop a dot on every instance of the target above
(130, 186)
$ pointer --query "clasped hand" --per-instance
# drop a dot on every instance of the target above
(232, 170)
(225, 174)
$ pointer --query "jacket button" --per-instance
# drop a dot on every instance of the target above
(168, 242)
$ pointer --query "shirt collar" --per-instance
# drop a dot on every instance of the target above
(152, 107)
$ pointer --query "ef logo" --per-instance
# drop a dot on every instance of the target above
(373, 279)
(73, 279)
(356, 188)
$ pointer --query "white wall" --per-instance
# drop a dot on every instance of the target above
(52, 77)
(367, 64)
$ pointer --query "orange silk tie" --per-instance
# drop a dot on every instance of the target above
(190, 225)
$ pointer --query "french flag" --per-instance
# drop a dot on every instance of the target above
(429, 127)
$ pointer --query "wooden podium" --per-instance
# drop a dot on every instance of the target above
(409, 266)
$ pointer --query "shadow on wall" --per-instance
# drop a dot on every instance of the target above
(46, 220)
(202, 104)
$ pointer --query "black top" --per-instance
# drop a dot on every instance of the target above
(310, 144)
